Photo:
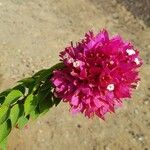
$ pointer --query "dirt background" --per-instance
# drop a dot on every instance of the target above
(32, 32)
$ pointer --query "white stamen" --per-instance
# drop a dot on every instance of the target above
(130, 52)
(110, 87)
(136, 60)
(111, 62)
(65, 56)
(76, 64)
(137, 85)
(71, 60)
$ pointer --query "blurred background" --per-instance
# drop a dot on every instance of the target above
(33, 32)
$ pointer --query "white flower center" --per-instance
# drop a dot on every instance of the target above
(65, 56)
(110, 87)
(136, 60)
(111, 62)
(76, 64)
(71, 60)
(130, 52)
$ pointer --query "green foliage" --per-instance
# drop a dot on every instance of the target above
(31, 98)
(22, 122)
(5, 129)
(35, 113)
(12, 97)
(45, 104)
(4, 113)
(15, 113)
(30, 104)
(3, 144)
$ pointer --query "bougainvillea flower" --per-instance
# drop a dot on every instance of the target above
(99, 73)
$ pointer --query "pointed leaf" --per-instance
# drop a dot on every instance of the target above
(12, 97)
(22, 121)
(46, 104)
(28, 83)
(5, 93)
(45, 73)
(15, 114)
(4, 113)
(39, 73)
(5, 129)
(20, 87)
(27, 80)
(30, 104)
(35, 114)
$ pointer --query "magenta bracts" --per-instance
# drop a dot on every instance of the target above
(99, 73)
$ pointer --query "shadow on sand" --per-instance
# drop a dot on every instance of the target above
(139, 8)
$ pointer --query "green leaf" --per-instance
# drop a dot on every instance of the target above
(12, 97)
(5, 129)
(30, 104)
(42, 94)
(56, 100)
(45, 73)
(5, 93)
(2, 98)
(46, 86)
(39, 72)
(4, 113)
(46, 104)
(15, 113)
(27, 80)
(3, 144)
(35, 114)
(57, 66)
(28, 83)
(20, 87)
(22, 122)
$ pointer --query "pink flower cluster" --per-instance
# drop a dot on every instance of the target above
(99, 72)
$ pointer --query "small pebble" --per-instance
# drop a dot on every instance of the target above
(148, 46)
(115, 16)
(106, 147)
(40, 131)
(19, 50)
(132, 133)
(146, 102)
(136, 111)
(79, 126)
(140, 138)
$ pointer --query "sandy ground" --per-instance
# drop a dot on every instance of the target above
(32, 32)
